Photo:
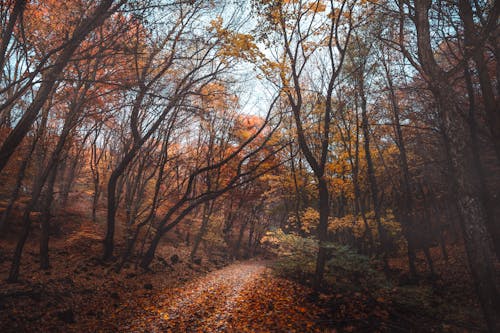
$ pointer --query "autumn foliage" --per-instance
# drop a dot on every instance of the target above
(270, 165)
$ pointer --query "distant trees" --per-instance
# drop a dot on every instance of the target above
(164, 82)
(146, 112)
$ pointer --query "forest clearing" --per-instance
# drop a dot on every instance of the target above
(249, 166)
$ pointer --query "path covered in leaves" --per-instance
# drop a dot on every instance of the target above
(241, 297)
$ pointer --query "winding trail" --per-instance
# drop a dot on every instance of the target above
(240, 297)
(210, 302)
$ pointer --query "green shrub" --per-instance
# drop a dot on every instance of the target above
(296, 258)
(350, 270)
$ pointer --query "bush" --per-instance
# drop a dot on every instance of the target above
(350, 270)
(296, 255)
(296, 259)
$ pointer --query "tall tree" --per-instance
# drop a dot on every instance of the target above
(472, 212)
(301, 28)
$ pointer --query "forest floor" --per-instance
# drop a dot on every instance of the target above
(242, 297)
(80, 293)
(86, 296)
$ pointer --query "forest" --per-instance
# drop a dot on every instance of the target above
(249, 166)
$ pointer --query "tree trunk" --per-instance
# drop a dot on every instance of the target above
(383, 236)
(442, 242)
(108, 241)
(491, 224)
(207, 212)
(406, 213)
(69, 177)
(358, 200)
(113, 199)
(475, 46)
(45, 220)
(324, 213)
(95, 197)
(16, 15)
(39, 134)
(35, 195)
(150, 253)
(240, 237)
(472, 212)
(297, 192)
(16, 260)
(470, 208)
(251, 233)
(228, 223)
(37, 190)
(17, 188)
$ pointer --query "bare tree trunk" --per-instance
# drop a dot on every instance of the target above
(150, 253)
(475, 46)
(324, 213)
(406, 213)
(108, 241)
(472, 215)
(130, 155)
(207, 212)
(69, 178)
(442, 242)
(359, 204)
(35, 195)
(96, 181)
(427, 231)
(251, 234)
(38, 187)
(228, 223)
(39, 134)
(17, 187)
(383, 236)
(297, 191)
(45, 220)
(492, 225)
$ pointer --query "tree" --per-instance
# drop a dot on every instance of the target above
(101, 12)
(361, 72)
(243, 163)
(471, 209)
(306, 30)
(156, 66)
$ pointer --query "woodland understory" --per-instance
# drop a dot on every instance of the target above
(249, 166)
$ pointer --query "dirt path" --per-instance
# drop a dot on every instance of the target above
(240, 297)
